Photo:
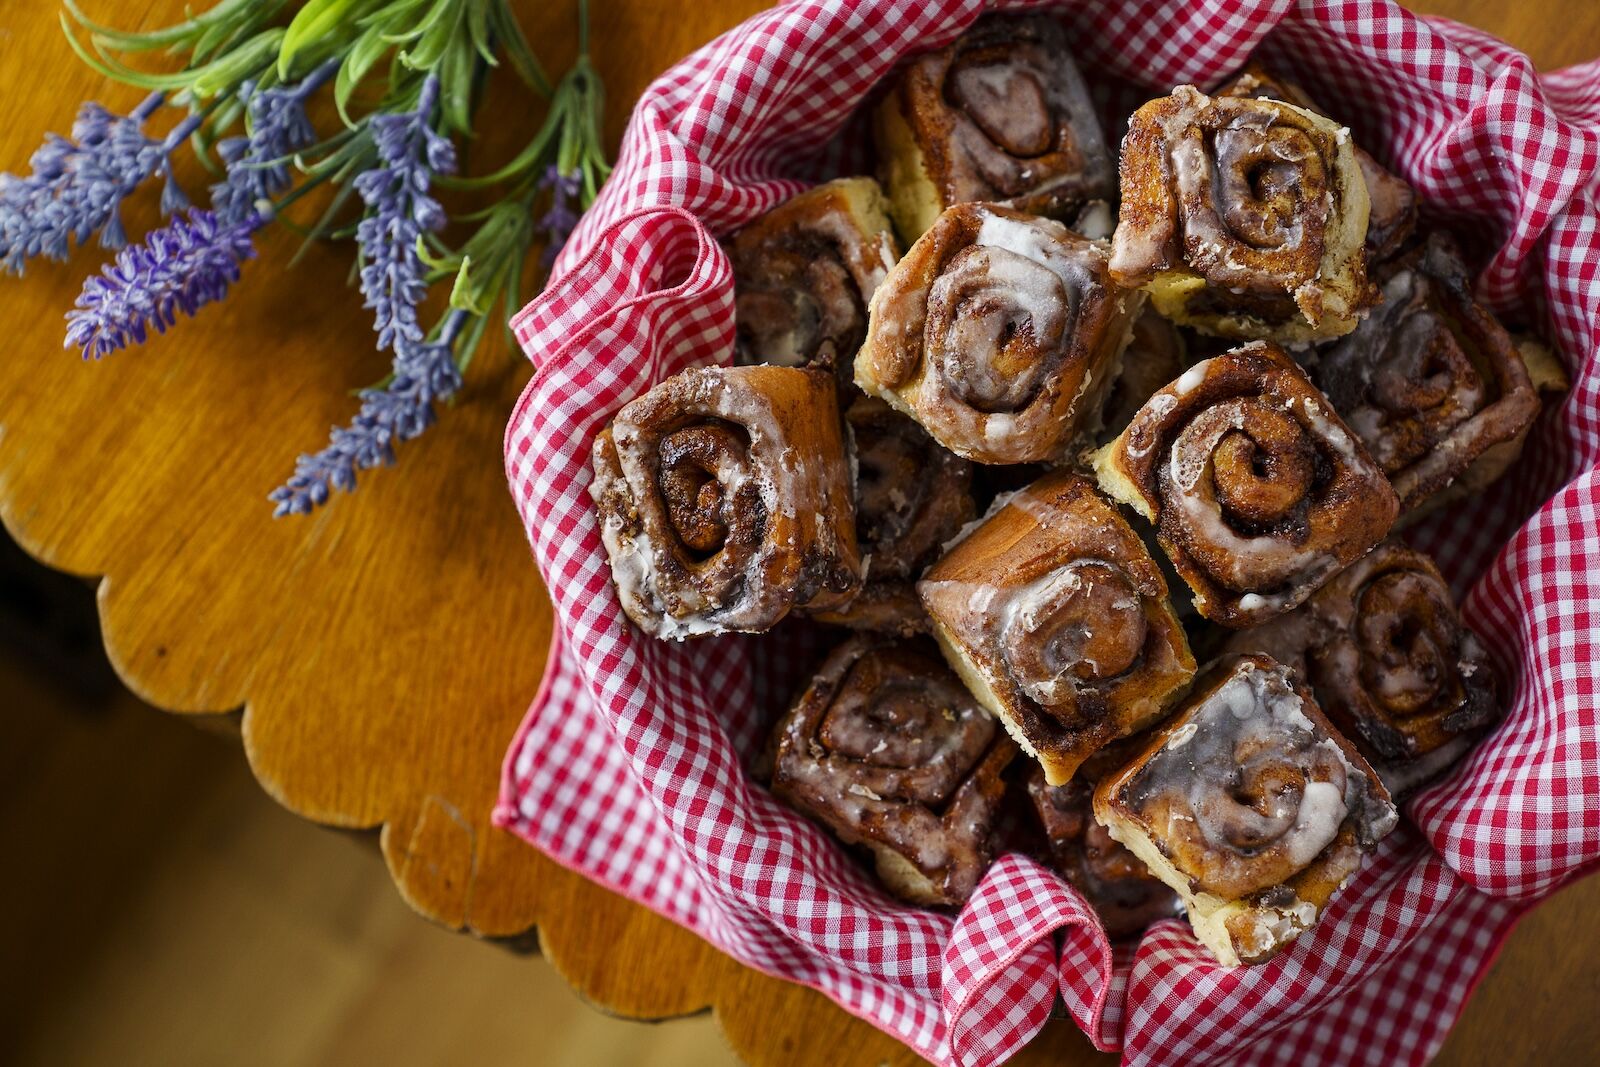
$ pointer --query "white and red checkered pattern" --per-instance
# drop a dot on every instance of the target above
(630, 765)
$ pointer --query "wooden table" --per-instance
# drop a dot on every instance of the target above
(384, 650)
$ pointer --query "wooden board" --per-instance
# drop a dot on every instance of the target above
(384, 650)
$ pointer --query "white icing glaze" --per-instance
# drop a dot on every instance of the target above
(1255, 714)
(1188, 380)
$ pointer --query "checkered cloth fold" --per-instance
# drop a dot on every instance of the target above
(630, 765)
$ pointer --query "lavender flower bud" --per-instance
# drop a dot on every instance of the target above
(398, 412)
(399, 209)
(257, 164)
(179, 268)
(77, 185)
(559, 219)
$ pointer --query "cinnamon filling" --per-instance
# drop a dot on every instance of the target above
(1088, 626)
(1407, 638)
(697, 463)
(799, 304)
(897, 709)
(1006, 102)
(997, 325)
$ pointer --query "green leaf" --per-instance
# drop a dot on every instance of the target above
(525, 162)
(467, 346)
(369, 48)
(435, 40)
(226, 13)
(307, 29)
(117, 71)
(402, 30)
(478, 28)
(521, 56)
(462, 295)
(455, 82)
(247, 60)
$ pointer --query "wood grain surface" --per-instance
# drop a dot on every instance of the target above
(384, 650)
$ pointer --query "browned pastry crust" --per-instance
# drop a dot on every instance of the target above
(999, 332)
(888, 750)
(1117, 884)
(1250, 805)
(1155, 356)
(911, 497)
(1393, 213)
(1384, 649)
(1057, 618)
(1243, 217)
(724, 501)
(1000, 115)
(1431, 380)
(1258, 492)
(804, 273)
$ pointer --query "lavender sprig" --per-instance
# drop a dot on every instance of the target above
(77, 184)
(399, 209)
(257, 164)
(181, 267)
(397, 412)
(559, 219)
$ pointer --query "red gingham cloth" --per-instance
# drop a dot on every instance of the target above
(629, 767)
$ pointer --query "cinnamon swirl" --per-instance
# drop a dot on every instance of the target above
(1057, 618)
(1393, 212)
(911, 497)
(889, 751)
(1251, 806)
(804, 273)
(1001, 115)
(1258, 492)
(1391, 663)
(999, 332)
(1243, 217)
(1431, 381)
(724, 501)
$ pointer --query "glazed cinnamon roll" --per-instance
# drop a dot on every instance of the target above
(1001, 115)
(724, 501)
(1117, 884)
(1258, 492)
(1393, 203)
(1431, 382)
(1392, 664)
(1251, 806)
(1057, 618)
(804, 273)
(889, 751)
(999, 332)
(1243, 217)
(1155, 356)
(911, 497)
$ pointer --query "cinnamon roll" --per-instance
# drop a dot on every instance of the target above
(889, 751)
(1431, 382)
(804, 273)
(911, 497)
(1057, 618)
(1117, 884)
(724, 501)
(1390, 661)
(1250, 805)
(999, 332)
(1393, 212)
(1001, 115)
(1243, 217)
(1258, 492)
